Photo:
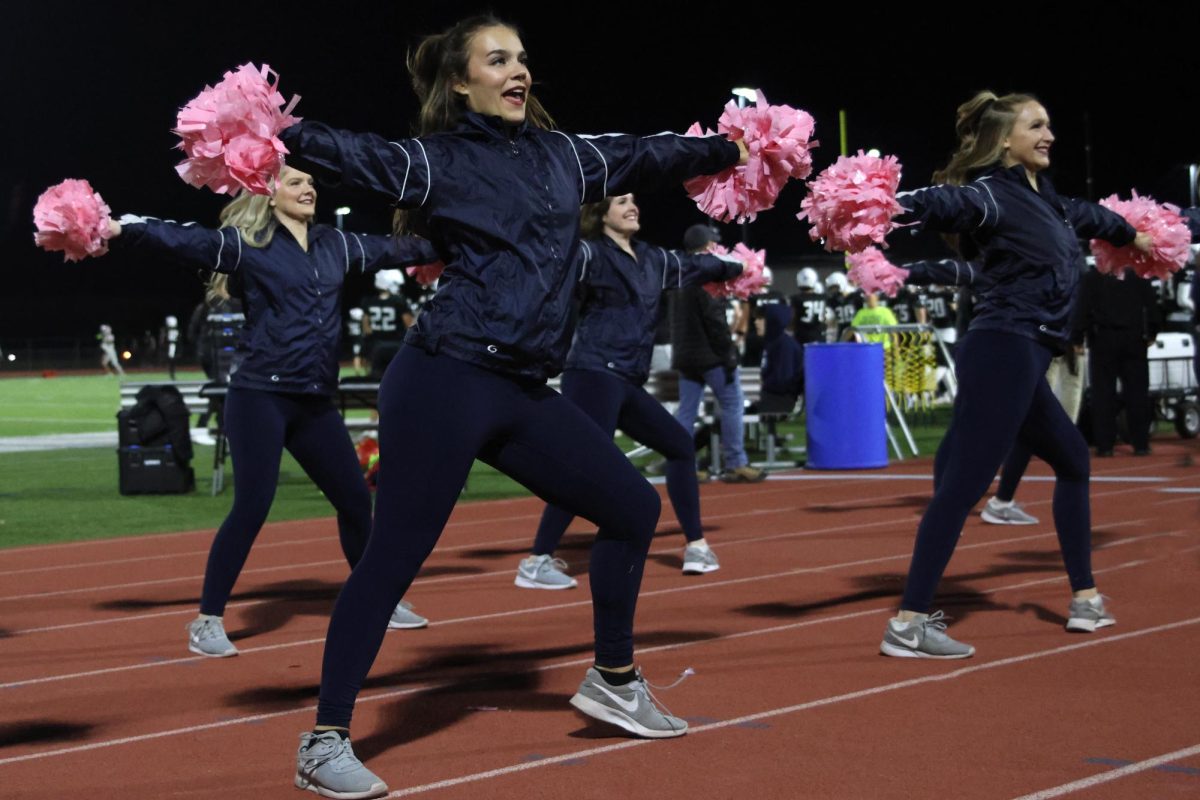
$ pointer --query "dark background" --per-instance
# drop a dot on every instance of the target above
(91, 91)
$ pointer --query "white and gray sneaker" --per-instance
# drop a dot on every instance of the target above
(698, 560)
(206, 637)
(1087, 615)
(922, 637)
(631, 707)
(998, 512)
(403, 617)
(544, 572)
(326, 765)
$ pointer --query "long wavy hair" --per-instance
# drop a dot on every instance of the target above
(982, 124)
(252, 215)
(436, 64)
(440, 61)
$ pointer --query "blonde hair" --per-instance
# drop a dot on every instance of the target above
(982, 124)
(255, 221)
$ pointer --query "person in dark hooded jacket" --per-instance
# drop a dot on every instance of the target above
(782, 362)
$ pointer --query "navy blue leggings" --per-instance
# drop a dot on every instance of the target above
(613, 402)
(259, 426)
(437, 415)
(1012, 472)
(1003, 399)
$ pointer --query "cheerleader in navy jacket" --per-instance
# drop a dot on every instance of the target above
(289, 275)
(621, 287)
(499, 194)
(1026, 238)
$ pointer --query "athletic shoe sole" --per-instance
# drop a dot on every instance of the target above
(200, 652)
(1080, 625)
(993, 519)
(591, 708)
(699, 567)
(407, 626)
(904, 652)
(377, 790)
(525, 583)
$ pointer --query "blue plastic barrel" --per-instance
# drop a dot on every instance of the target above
(844, 406)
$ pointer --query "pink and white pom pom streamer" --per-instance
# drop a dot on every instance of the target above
(1166, 227)
(70, 217)
(851, 203)
(426, 274)
(753, 278)
(872, 272)
(779, 141)
(230, 132)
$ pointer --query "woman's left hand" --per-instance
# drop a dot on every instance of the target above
(1144, 242)
(745, 153)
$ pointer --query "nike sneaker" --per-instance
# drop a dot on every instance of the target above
(630, 707)
(1087, 615)
(922, 637)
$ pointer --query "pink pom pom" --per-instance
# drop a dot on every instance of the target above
(872, 272)
(752, 280)
(426, 274)
(1166, 227)
(852, 202)
(230, 133)
(72, 218)
(779, 141)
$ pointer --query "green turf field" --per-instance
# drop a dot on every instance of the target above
(64, 495)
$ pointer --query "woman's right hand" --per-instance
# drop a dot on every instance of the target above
(1144, 242)
(114, 228)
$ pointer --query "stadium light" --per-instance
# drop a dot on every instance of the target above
(12, 357)
(745, 96)
(126, 355)
(873, 152)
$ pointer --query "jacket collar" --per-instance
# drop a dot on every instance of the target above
(491, 127)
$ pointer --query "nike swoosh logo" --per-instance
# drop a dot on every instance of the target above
(631, 705)
(904, 641)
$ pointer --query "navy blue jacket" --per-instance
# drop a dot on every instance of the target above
(1026, 242)
(501, 206)
(621, 301)
(291, 298)
(783, 356)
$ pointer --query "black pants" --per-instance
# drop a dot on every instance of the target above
(1003, 398)
(436, 416)
(259, 426)
(614, 402)
(1113, 354)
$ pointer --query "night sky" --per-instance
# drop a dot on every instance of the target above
(91, 91)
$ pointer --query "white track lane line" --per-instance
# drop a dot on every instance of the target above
(1112, 775)
(520, 612)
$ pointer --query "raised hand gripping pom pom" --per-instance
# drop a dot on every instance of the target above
(753, 278)
(779, 141)
(426, 274)
(230, 132)
(851, 203)
(70, 217)
(872, 272)
(1162, 222)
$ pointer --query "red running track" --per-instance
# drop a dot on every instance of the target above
(99, 697)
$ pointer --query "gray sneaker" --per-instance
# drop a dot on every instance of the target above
(326, 765)
(923, 637)
(697, 561)
(405, 618)
(1087, 615)
(206, 637)
(631, 707)
(1012, 514)
(544, 572)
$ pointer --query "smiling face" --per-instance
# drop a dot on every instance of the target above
(498, 80)
(1028, 143)
(621, 219)
(295, 196)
